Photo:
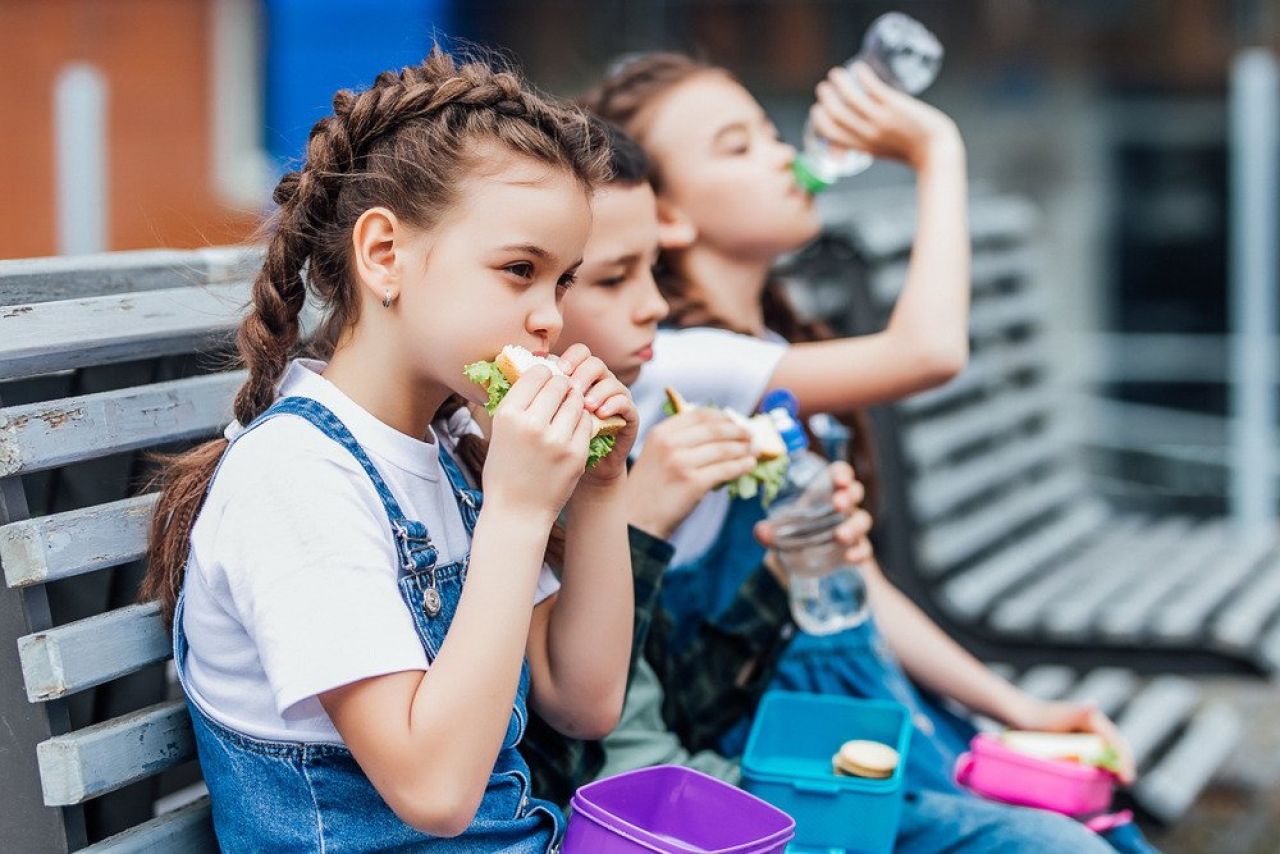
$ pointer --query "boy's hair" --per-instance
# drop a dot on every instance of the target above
(628, 164)
(404, 143)
(630, 89)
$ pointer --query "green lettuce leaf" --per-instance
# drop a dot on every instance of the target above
(1109, 759)
(487, 375)
(764, 480)
(599, 449)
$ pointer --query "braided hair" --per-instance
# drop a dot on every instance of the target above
(402, 144)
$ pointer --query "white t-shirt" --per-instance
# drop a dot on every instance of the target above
(707, 366)
(291, 588)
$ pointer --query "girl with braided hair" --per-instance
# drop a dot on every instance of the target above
(360, 632)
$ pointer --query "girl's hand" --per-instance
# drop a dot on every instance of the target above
(685, 457)
(1046, 716)
(604, 397)
(852, 532)
(869, 115)
(538, 446)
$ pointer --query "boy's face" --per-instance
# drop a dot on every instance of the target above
(614, 308)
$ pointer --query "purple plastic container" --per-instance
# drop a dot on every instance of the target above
(673, 810)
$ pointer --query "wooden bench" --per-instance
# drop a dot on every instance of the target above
(989, 522)
(97, 368)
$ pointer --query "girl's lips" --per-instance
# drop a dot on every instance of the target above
(645, 353)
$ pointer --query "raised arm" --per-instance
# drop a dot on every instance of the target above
(926, 341)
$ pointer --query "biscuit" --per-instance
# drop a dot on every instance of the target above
(870, 759)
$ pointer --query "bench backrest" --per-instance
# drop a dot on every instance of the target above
(97, 368)
(979, 473)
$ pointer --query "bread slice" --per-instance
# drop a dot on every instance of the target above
(1086, 748)
(514, 360)
(766, 441)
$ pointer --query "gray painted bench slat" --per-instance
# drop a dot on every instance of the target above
(1183, 618)
(929, 442)
(90, 762)
(186, 830)
(1168, 788)
(992, 364)
(1047, 681)
(55, 336)
(1107, 687)
(61, 277)
(971, 592)
(1241, 620)
(1020, 611)
(962, 537)
(43, 435)
(78, 655)
(61, 545)
(1151, 717)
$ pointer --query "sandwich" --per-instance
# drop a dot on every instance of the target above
(1083, 748)
(497, 376)
(767, 446)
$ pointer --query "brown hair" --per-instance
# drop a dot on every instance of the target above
(403, 143)
(626, 97)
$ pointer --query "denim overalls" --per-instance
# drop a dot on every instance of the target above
(937, 815)
(291, 796)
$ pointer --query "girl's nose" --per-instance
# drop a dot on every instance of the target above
(545, 323)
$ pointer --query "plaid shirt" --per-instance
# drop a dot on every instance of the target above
(721, 675)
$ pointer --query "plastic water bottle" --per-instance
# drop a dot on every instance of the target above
(903, 54)
(827, 594)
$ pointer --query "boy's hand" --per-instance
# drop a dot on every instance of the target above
(862, 112)
(604, 396)
(1047, 716)
(852, 532)
(685, 457)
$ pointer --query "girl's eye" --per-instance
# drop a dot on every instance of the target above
(521, 269)
(611, 282)
(566, 281)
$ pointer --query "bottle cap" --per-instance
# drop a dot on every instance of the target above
(808, 181)
(781, 406)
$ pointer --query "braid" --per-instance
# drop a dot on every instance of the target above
(403, 143)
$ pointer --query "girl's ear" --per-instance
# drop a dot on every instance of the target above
(375, 243)
(675, 229)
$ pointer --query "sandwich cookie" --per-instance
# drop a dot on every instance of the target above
(869, 759)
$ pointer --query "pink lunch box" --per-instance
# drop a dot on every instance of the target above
(995, 771)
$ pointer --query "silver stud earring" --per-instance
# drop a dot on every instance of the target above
(386, 298)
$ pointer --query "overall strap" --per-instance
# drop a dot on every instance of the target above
(469, 499)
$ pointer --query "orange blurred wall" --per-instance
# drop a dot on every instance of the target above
(154, 56)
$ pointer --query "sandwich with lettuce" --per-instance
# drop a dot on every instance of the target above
(497, 376)
(767, 446)
(1084, 748)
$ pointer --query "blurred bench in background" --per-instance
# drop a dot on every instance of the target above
(989, 521)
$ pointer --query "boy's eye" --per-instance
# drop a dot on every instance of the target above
(566, 281)
(611, 282)
(521, 269)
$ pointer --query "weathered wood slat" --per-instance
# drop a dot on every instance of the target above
(971, 593)
(1241, 621)
(1156, 712)
(47, 548)
(1047, 681)
(1128, 618)
(90, 762)
(962, 537)
(1185, 616)
(1020, 611)
(53, 336)
(186, 830)
(88, 652)
(1074, 613)
(48, 434)
(1171, 785)
(62, 277)
(1106, 687)
(948, 489)
(928, 442)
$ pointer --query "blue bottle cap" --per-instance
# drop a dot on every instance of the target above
(780, 398)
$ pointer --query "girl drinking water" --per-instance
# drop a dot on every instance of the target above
(360, 624)
(726, 207)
